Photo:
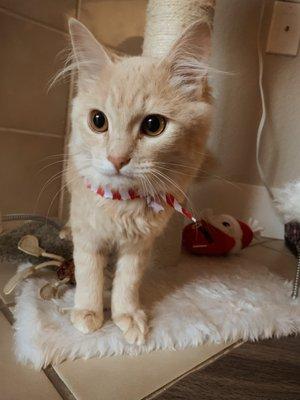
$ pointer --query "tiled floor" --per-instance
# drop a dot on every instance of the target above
(123, 377)
(16, 381)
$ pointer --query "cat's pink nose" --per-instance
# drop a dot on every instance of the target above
(118, 162)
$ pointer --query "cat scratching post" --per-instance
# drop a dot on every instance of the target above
(165, 21)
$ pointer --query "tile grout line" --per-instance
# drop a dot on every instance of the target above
(283, 252)
(6, 312)
(207, 362)
(55, 380)
(58, 383)
(31, 20)
(26, 132)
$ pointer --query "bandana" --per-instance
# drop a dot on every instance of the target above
(155, 203)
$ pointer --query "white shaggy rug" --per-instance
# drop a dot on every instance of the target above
(200, 300)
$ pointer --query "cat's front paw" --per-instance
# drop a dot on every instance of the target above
(133, 325)
(86, 321)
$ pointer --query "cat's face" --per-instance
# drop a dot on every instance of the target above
(140, 122)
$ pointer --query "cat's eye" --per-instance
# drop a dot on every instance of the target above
(98, 121)
(153, 125)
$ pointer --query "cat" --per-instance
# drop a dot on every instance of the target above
(139, 124)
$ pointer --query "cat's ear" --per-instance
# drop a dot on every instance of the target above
(88, 54)
(188, 59)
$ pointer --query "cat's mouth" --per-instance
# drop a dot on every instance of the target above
(118, 174)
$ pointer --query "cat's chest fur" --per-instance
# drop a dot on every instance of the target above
(115, 221)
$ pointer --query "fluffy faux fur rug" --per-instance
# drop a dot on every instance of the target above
(200, 300)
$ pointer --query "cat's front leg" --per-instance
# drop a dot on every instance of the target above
(87, 315)
(125, 304)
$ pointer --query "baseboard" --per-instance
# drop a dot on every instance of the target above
(240, 200)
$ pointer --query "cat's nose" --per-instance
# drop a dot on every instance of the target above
(118, 162)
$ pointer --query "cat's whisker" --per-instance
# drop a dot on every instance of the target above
(221, 178)
(147, 187)
(161, 182)
(64, 186)
(201, 170)
(177, 164)
(172, 182)
(151, 187)
(53, 156)
(59, 191)
(66, 155)
(155, 184)
(156, 191)
(49, 181)
(176, 171)
(49, 165)
(143, 183)
(54, 163)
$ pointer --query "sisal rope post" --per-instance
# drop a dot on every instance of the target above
(166, 20)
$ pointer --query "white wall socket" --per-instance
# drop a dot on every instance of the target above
(284, 33)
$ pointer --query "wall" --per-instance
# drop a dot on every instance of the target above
(281, 146)
(32, 121)
(230, 182)
(238, 102)
(119, 24)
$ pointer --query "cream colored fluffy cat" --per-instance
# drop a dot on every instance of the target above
(137, 123)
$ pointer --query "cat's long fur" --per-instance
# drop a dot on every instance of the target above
(127, 90)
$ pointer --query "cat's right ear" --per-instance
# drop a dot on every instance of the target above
(188, 59)
(88, 54)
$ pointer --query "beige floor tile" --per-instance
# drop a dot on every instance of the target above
(277, 245)
(29, 59)
(20, 179)
(273, 254)
(6, 272)
(51, 12)
(131, 378)
(18, 382)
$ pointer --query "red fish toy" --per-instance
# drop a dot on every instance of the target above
(218, 235)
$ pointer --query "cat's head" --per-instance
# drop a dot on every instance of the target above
(140, 122)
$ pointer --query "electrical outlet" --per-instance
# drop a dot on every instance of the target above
(284, 30)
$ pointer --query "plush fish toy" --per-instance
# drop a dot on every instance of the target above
(218, 235)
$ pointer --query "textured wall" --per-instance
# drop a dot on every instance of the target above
(117, 23)
(238, 101)
(32, 120)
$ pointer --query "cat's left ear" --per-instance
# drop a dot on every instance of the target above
(89, 55)
(188, 59)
